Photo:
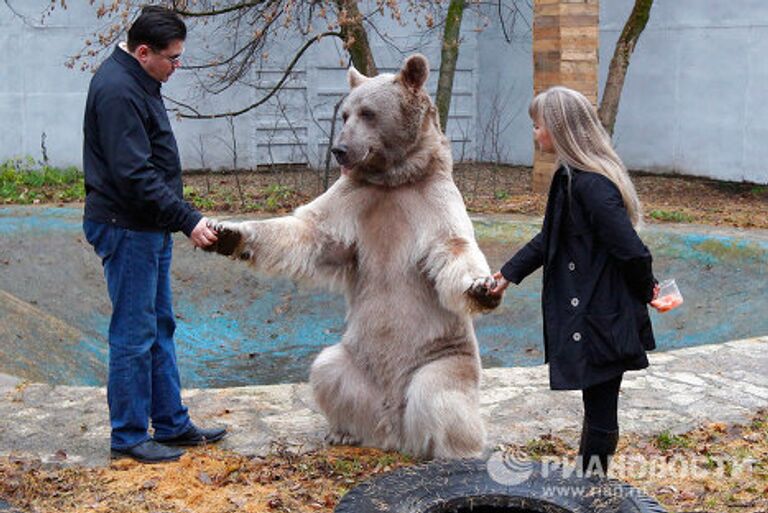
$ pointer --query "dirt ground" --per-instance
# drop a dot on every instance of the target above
(210, 480)
(710, 478)
(497, 189)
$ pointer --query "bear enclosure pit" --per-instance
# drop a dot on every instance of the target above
(235, 327)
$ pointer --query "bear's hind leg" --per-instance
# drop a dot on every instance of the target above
(442, 416)
(346, 397)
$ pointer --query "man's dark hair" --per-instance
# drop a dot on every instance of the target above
(156, 27)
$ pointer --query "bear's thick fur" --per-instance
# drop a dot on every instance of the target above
(393, 235)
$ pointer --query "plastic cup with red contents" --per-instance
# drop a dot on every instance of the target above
(669, 297)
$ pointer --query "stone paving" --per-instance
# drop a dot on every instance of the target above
(681, 389)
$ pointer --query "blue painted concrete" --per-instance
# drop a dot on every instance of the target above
(17, 220)
(239, 328)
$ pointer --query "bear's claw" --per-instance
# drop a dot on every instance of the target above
(480, 291)
(228, 241)
(341, 438)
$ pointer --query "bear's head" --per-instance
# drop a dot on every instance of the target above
(390, 131)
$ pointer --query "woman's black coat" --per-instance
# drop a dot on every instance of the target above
(597, 281)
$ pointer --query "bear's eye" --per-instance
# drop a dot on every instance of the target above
(344, 117)
(367, 114)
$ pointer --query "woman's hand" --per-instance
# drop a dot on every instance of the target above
(501, 285)
(654, 302)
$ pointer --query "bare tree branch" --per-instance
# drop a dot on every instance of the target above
(197, 115)
(16, 13)
(516, 13)
(296, 137)
(216, 12)
(246, 31)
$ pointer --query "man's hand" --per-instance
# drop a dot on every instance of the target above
(202, 235)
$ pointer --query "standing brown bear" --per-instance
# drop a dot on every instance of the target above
(393, 235)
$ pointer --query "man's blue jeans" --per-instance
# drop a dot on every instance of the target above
(143, 378)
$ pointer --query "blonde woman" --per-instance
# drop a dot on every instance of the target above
(597, 272)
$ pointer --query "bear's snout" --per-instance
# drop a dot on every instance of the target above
(340, 151)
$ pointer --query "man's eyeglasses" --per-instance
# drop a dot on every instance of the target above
(173, 59)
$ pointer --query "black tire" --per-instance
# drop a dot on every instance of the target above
(464, 486)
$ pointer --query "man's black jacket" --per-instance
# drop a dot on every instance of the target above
(597, 281)
(130, 158)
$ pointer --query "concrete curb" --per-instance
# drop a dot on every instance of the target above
(681, 389)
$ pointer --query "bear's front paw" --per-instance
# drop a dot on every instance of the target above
(229, 240)
(480, 293)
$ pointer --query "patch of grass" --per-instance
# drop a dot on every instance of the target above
(545, 445)
(276, 195)
(24, 181)
(258, 206)
(389, 459)
(73, 192)
(711, 503)
(670, 216)
(731, 187)
(200, 201)
(347, 468)
(501, 195)
(711, 463)
(666, 441)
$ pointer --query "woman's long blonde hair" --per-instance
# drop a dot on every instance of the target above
(580, 141)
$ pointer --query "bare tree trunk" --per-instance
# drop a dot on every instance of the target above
(355, 37)
(609, 105)
(448, 57)
(235, 171)
(331, 137)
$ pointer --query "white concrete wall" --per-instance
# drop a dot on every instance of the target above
(38, 94)
(505, 88)
(693, 101)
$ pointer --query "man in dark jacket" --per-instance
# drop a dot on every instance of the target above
(133, 203)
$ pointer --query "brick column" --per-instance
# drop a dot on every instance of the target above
(565, 52)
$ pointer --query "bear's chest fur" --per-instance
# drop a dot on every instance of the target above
(385, 230)
(391, 229)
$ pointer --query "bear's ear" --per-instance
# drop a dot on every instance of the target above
(355, 78)
(415, 71)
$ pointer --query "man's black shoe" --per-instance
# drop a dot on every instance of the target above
(195, 436)
(149, 451)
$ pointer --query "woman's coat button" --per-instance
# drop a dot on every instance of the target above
(575, 302)
(571, 266)
(577, 336)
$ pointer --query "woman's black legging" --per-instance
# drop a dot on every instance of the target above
(600, 432)
(601, 404)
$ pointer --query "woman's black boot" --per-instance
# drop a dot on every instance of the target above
(595, 450)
